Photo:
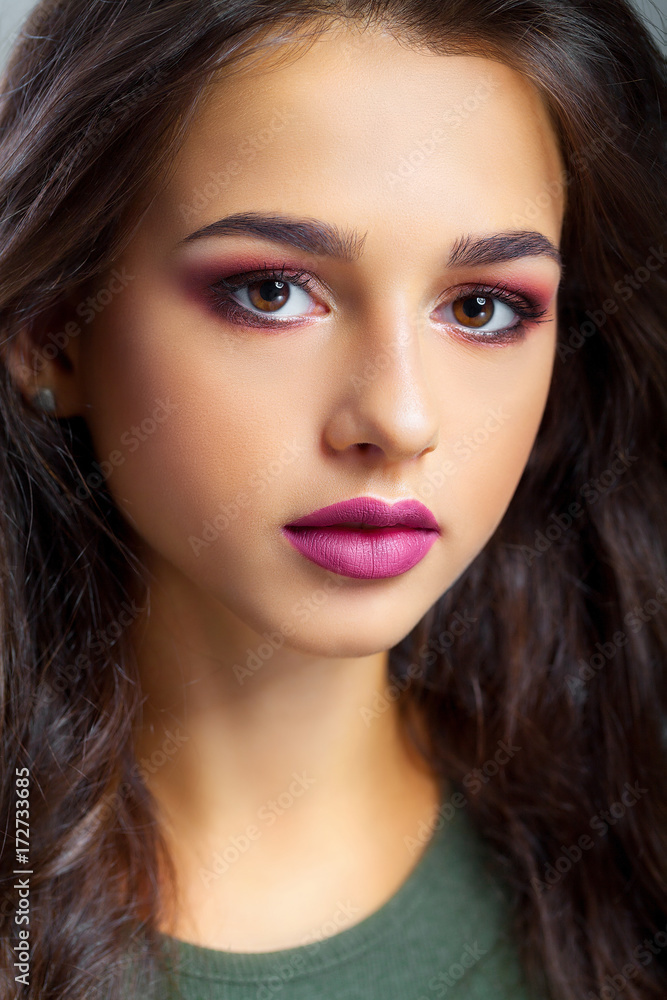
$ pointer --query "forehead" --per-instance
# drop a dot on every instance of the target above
(361, 125)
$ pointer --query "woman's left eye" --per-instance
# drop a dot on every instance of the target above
(481, 312)
(497, 315)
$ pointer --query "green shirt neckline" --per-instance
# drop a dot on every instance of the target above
(448, 851)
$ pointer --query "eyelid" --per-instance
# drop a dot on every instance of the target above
(295, 275)
(301, 277)
(510, 296)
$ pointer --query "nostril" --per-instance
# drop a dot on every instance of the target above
(366, 447)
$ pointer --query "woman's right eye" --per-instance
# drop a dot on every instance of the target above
(270, 296)
(255, 297)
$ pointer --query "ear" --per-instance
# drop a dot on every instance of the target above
(44, 354)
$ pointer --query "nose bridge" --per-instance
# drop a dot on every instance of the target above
(388, 347)
(390, 402)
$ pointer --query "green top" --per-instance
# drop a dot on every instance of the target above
(444, 932)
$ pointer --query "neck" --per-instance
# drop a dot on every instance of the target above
(286, 753)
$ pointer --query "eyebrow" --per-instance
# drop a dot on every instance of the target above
(469, 251)
(321, 238)
(325, 239)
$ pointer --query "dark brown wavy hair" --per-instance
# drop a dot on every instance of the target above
(566, 658)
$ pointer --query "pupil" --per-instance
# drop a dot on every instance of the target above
(270, 290)
(474, 306)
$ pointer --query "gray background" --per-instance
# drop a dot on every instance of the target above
(12, 13)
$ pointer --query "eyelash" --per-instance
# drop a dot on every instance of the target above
(526, 308)
(234, 311)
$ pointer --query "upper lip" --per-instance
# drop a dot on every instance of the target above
(371, 511)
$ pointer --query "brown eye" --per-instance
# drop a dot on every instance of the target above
(474, 310)
(268, 294)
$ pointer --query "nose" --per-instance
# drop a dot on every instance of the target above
(386, 403)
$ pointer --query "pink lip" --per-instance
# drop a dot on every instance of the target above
(401, 535)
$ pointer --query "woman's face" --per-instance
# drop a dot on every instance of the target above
(415, 365)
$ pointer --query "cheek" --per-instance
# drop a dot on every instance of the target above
(191, 425)
(492, 438)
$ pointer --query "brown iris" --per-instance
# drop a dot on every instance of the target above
(473, 310)
(270, 295)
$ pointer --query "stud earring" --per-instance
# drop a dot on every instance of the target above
(45, 400)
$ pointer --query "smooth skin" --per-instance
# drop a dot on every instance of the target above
(375, 392)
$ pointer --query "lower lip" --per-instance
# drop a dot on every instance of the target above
(365, 555)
